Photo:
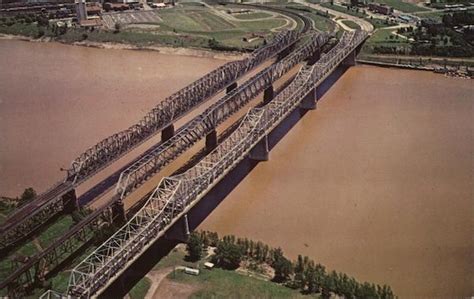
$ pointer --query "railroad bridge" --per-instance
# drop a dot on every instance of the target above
(175, 195)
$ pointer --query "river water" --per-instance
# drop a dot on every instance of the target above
(377, 182)
(58, 100)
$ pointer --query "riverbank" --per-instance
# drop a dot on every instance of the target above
(449, 71)
(181, 51)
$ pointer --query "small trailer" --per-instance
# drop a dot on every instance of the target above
(191, 271)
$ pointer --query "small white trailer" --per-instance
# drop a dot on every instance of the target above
(191, 271)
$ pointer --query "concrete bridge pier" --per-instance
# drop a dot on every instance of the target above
(70, 202)
(231, 87)
(350, 59)
(268, 94)
(285, 52)
(260, 150)
(167, 133)
(118, 213)
(211, 140)
(314, 57)
(309, 102)
(180, 231)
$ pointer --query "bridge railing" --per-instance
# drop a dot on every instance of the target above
(174, 195)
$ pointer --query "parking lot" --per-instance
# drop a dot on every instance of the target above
(110, 19)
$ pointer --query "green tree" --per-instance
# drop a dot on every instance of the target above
(283, 267)
(228, 255)
(194, 247)
(117, 27)
(213, 43)
(27, 196)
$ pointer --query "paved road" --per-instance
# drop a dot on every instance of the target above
(364, 25)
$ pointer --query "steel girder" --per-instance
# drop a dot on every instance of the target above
(177, 194)
(171, 109)
(198, 128)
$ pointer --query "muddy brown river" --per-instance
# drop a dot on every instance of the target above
(58, 100)
(377, 182)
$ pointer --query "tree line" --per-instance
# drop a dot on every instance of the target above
(304, 274)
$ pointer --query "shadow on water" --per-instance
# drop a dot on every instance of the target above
(207, 204)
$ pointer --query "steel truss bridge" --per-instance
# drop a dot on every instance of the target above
(144, 168)
(205, 124)
(56, 199)
(176, 195)
(23, 222)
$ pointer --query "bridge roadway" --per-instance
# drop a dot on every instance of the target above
(26, 220)
(82, 232)
(176, 195)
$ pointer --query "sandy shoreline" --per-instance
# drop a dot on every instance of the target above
(193, 52)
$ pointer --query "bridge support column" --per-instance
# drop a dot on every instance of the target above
(118, 213)
(314, 57)
(309, 102)
(350, 59)
(211, 140)
(231, 87)
(167, 133)
(70, 202)
(260, 150)
(187, 231)
(268, 94)
(180, 231)
(285, 52)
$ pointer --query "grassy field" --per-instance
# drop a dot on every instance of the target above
(402, 6)
(321, 23)
(30, 30)
(351, 24)
(321, 19)
(252, 16)
(56, 230)
(175, 258)
(382, 38)
(343, 9)
(435, 15)
(378, 23)
(194, 26)
(140, 289)
(189, 25)
(218, 283)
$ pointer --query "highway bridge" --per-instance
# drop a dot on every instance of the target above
(62, 196)
(175, 195)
